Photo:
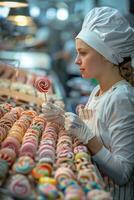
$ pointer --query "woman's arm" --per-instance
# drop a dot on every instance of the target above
(94, 146)
(118, 163)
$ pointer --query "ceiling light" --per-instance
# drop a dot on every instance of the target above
(20, 17)
(34, 11)
(14, 3)
(21, 20)
(4, 11)
(62, 14)
(51, 13)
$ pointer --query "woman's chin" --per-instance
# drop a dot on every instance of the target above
(86, 76)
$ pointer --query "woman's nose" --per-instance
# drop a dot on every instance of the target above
(77, 60)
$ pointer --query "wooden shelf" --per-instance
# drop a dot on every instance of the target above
(20, 96)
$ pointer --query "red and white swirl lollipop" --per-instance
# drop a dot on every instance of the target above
(42, 85)
(78, 107)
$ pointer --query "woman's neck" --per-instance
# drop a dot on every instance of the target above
(107, 83)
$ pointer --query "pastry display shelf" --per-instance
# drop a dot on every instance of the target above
(20, 96)
(27, 60)
(15, 63)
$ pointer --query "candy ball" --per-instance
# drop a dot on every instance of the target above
(42, 84)
(19, 186)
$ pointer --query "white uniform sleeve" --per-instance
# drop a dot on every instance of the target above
(118, 163)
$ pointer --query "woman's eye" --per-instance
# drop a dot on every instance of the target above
(82, 53)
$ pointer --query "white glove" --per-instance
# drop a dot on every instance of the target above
(77, 127)
(85, 115)
(53, 113)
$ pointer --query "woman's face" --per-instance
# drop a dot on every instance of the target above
(91, 63)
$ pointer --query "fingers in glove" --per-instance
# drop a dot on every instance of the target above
(86, 111)
(78, 107)
(69, 114)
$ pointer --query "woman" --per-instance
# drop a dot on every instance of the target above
(106, 124)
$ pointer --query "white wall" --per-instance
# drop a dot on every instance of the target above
(121, 5)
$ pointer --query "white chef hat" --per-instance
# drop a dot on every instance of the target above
(109, 33)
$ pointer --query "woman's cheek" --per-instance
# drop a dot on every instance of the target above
(90, 71)
(87, 74)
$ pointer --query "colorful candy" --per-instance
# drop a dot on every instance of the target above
(58, 165)
(91, 185)
(98, 195)
(19, 186)
(8, 155)
(7, 121)
(4, 108)
(31, 138)
(12, 143)
(24, 165)
(42, 84)
(74, 192)
(49, 180)
(41, 170)
(3, 168)
(48, 190)
(64, 173)
(64, 183)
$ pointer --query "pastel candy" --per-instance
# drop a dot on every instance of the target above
(24, 165)
(19, 186)
(42, 84)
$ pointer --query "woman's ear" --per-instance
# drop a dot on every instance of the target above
(126, 69)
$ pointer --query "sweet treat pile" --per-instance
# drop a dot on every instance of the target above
(19, 186)
(23, 165)
(7, 121)
(4, 108)
(46, 150)
(39, 160)
(10, 147)
(46, 153)
(86, 171)
(31, 138)
(65, 156)
(98, 195)
(16, 133)
(8, 155)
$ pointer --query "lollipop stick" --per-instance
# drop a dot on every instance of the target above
(45, 97)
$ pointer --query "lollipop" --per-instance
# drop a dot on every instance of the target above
(3, 168)
(24, 165)
(49, 191)
(19, 186)
(78, 107)
(42, 85)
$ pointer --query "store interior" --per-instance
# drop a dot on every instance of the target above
(40, 38)
(37, 39)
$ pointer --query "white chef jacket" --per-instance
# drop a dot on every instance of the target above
(112, 121)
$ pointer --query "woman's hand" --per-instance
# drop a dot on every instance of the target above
(53, 113)
(75, 126)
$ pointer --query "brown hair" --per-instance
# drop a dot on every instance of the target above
(126, 70)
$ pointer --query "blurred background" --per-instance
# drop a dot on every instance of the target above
(39, 37)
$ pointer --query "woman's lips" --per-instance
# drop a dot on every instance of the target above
(81, 69)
